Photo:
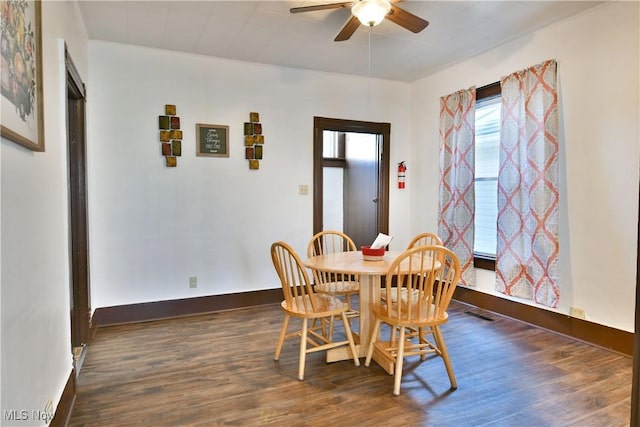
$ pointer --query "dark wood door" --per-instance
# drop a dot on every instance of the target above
(361, 187)
(79, 236)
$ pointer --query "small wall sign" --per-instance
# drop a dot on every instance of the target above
(212, 140)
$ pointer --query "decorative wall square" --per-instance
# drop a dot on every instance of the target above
(176, 147)
(248, 153)
(254, 164)
(172, 162)
(166, 149)
(257, 152)
(165, 136)
(170, 110)
(176, 134)
(175, 122)
(254, 117)
(163, 122)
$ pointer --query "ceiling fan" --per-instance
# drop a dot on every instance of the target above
(369, 13)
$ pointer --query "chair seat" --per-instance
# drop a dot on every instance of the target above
(325, 305)
(338, 288)
(425, 315)
(403, 295)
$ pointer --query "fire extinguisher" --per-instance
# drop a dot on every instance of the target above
(402, 168)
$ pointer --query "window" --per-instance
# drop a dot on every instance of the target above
(487, 145)
(333, 146)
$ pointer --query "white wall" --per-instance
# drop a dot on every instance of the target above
(598, 69)
(153, 227)
(36, 339)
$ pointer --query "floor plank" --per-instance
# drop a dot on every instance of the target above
(218, 369)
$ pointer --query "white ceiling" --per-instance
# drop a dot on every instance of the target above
(266, 32)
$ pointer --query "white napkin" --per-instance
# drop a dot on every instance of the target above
(381, 241)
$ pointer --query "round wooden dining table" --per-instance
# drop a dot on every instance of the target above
(369, 273)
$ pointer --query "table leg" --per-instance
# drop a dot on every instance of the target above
(369, 292)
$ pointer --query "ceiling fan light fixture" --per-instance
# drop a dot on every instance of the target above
(371, 12)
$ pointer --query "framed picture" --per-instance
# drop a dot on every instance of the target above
(212, 140)
(21, 73)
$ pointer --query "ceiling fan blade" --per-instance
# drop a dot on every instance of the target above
(406, 19)
(347, 31)
(320, 7)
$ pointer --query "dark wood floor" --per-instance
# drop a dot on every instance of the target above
(218, 369)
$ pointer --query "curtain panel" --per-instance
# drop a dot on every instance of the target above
(527, 248)
(457, 165)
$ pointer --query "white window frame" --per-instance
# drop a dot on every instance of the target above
(489, 93)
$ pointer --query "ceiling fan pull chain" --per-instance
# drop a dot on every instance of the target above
(370, 52)
(369, 79)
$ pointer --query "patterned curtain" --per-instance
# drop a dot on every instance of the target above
(527, 252)
(457, 164)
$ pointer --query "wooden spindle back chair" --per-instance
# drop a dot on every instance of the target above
(426, 278)
(302, 302)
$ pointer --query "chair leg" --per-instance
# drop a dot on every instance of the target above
(422, 340)
(374, 337)
(352, 345)
(331, 328)
(303, 350)
(439, 338)
(283, 333)
(399, 359)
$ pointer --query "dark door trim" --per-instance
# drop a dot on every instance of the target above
(635, 379)
(320, 124)
(78, 230)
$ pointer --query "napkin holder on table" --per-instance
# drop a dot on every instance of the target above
(375, 252)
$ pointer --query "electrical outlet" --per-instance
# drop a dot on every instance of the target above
(577, 312)
(303, 190)
(193, 282)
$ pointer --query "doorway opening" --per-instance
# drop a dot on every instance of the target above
(351, 178)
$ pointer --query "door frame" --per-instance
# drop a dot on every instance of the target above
(320, 124)
(635, 378)
(78, 223)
